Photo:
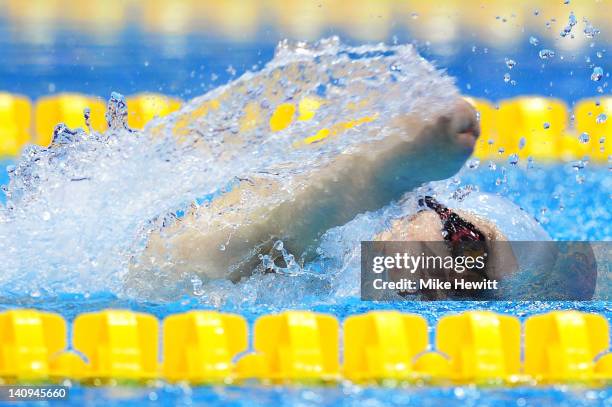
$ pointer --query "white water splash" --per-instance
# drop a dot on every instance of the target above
(79, 212)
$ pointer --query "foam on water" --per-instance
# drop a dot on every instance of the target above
(79, 212)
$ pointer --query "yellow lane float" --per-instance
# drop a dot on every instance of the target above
(295, 346)
(383, 345)
(199, 346)
(538, 123)
(562, 346)
(540, 128)
(118, 344)
(482, 346)
(302, 347)
(28, 340)
(144, 107)
(593, 123)
(66, 108)
(529, 126)
(15, 123)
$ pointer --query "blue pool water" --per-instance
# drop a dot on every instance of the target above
(343, 396)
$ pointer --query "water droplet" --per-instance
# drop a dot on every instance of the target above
(197, 284)
(222, 247)
(278, 245)
(459, 393)
(546, 125)
(601, 118)
(570, 24)
(395, 67)
(584, 138)
(534, 41)
(543, 218)
(474, 163)
(117, 112)
(46, 216)
(510, 63)
(597, 74)
(506, 77)
(546, 54)
(513, 159)
(590, 31)
(522, 143)
(599, 54)
(62, 134)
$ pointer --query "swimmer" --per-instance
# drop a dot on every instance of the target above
(373, 126)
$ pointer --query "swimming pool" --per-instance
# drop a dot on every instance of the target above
(570, 201)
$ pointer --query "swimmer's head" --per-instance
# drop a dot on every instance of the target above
(465, 235)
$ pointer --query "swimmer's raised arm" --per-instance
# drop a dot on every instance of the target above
(225, 237)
